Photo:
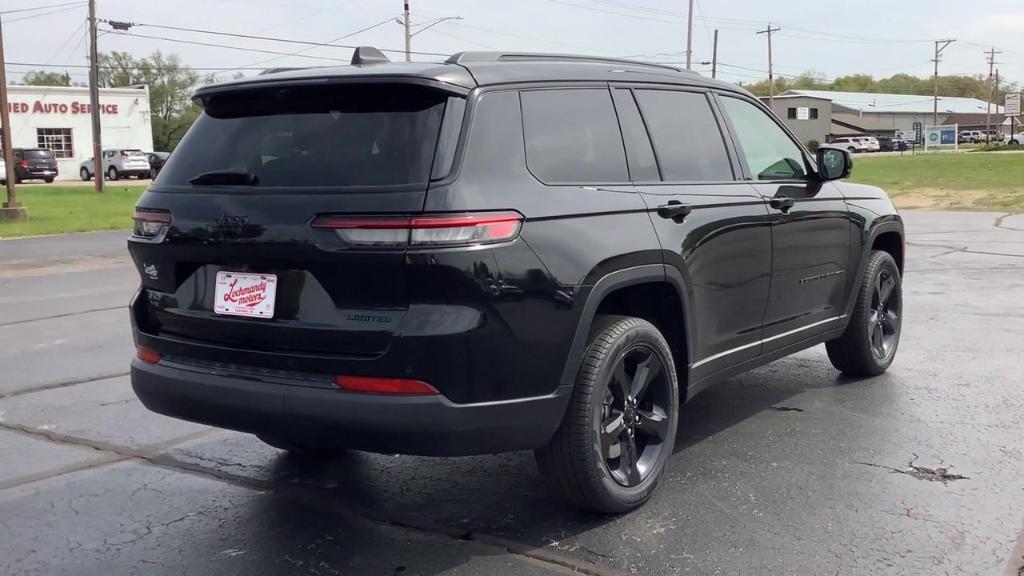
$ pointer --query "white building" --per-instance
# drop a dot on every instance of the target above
(58, 118)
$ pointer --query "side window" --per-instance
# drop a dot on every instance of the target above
(687, 141)
(768, 150)
(572, 136)
(642, 167)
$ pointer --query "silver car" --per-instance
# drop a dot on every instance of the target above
(120, 163)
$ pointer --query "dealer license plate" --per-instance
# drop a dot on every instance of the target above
(240, 294)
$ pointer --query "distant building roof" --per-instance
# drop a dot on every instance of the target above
(868, 102)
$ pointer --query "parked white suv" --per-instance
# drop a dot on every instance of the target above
(854, 144)
(118, 163)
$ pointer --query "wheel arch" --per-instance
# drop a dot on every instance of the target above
(653, 292)
(885, 234)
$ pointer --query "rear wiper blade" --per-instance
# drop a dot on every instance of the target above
(226, 178)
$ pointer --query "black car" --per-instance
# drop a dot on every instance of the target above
(156, 162)
(500, 252)
(886, 144)
(34, 164)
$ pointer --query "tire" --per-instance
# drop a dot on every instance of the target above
(577, 460)
(869, 344)
(84, 173)
(112, 174)
(851, 150)
(48, 180)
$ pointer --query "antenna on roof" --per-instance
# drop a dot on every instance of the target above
(365, 55)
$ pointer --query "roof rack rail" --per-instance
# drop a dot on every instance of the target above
(463, 57)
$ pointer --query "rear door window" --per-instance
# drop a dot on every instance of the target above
(572, 136)
(687, 140)
(312, 136)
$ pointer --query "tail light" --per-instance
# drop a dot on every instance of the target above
(151, 223)
(147, 355)
(385, 385)
(23, 164)
(424, 231)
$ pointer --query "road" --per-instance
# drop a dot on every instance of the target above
(790, 469)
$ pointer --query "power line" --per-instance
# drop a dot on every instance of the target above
(45, 65)
(248, 37)
(304, 50)
(48, 6)
(44, 14)
(212, 45)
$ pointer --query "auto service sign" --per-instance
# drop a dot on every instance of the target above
(1013, 104)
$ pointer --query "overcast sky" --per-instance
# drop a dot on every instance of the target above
(833, 37)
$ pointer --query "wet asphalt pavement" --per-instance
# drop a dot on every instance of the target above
(790, 469)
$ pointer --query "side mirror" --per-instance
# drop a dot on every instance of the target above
(834, 163)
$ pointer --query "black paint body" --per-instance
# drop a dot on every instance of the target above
(499, 330)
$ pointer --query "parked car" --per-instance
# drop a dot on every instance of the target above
(34, 164)
(156, 162)
(886, 143)
(972, 136)
(852, 144)
(501, 252)
(3, 170)
(120, 163)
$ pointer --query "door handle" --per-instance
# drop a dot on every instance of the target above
(675, 210)
(782, 204)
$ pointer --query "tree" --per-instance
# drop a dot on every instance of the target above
(170, 86)
(43, 78)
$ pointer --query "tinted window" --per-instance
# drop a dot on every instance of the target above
(572, 136)
(769, 152)
(687, 141)
(642, 167)
(330, 136)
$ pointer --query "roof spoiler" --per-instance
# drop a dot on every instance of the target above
(366, 55)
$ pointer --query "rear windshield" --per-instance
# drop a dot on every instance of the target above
(311, 136)
(38, 154)
(133, 153)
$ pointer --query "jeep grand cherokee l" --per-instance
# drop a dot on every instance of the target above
(499, 252)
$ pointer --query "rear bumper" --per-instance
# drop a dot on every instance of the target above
(314, 412)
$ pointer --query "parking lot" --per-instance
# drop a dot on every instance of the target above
(790, 469)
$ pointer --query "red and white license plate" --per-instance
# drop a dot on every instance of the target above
(238, 294)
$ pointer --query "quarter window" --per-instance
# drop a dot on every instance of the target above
(57, 140)
(687, 140)
(572, 136)
(769, 152)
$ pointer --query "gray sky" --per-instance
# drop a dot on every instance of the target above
(833, 37)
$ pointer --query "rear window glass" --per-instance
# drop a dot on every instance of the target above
(311, 136)
(573, 136)
(38, 154)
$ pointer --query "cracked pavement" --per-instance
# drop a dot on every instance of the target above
(788, 469)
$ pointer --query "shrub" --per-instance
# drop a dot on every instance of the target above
(813, 145)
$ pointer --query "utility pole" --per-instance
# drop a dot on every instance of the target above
(408, 37)
(689, 37)
(940, 45)
(12, 209)
(94, 100)
(988, 109)
(714, 55)
(771, 75)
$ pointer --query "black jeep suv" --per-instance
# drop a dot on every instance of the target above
(499, 252)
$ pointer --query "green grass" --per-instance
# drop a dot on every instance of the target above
(62, 209)
(958, 181)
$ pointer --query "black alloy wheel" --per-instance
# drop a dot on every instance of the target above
(885, 315)
(615, 440)
(634, 419)
(868, 346)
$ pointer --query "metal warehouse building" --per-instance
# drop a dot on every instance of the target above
(58, 118)
(871, 114)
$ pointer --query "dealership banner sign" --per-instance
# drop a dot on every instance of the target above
(941, 136)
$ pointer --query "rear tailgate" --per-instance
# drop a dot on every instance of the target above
(241, 192)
